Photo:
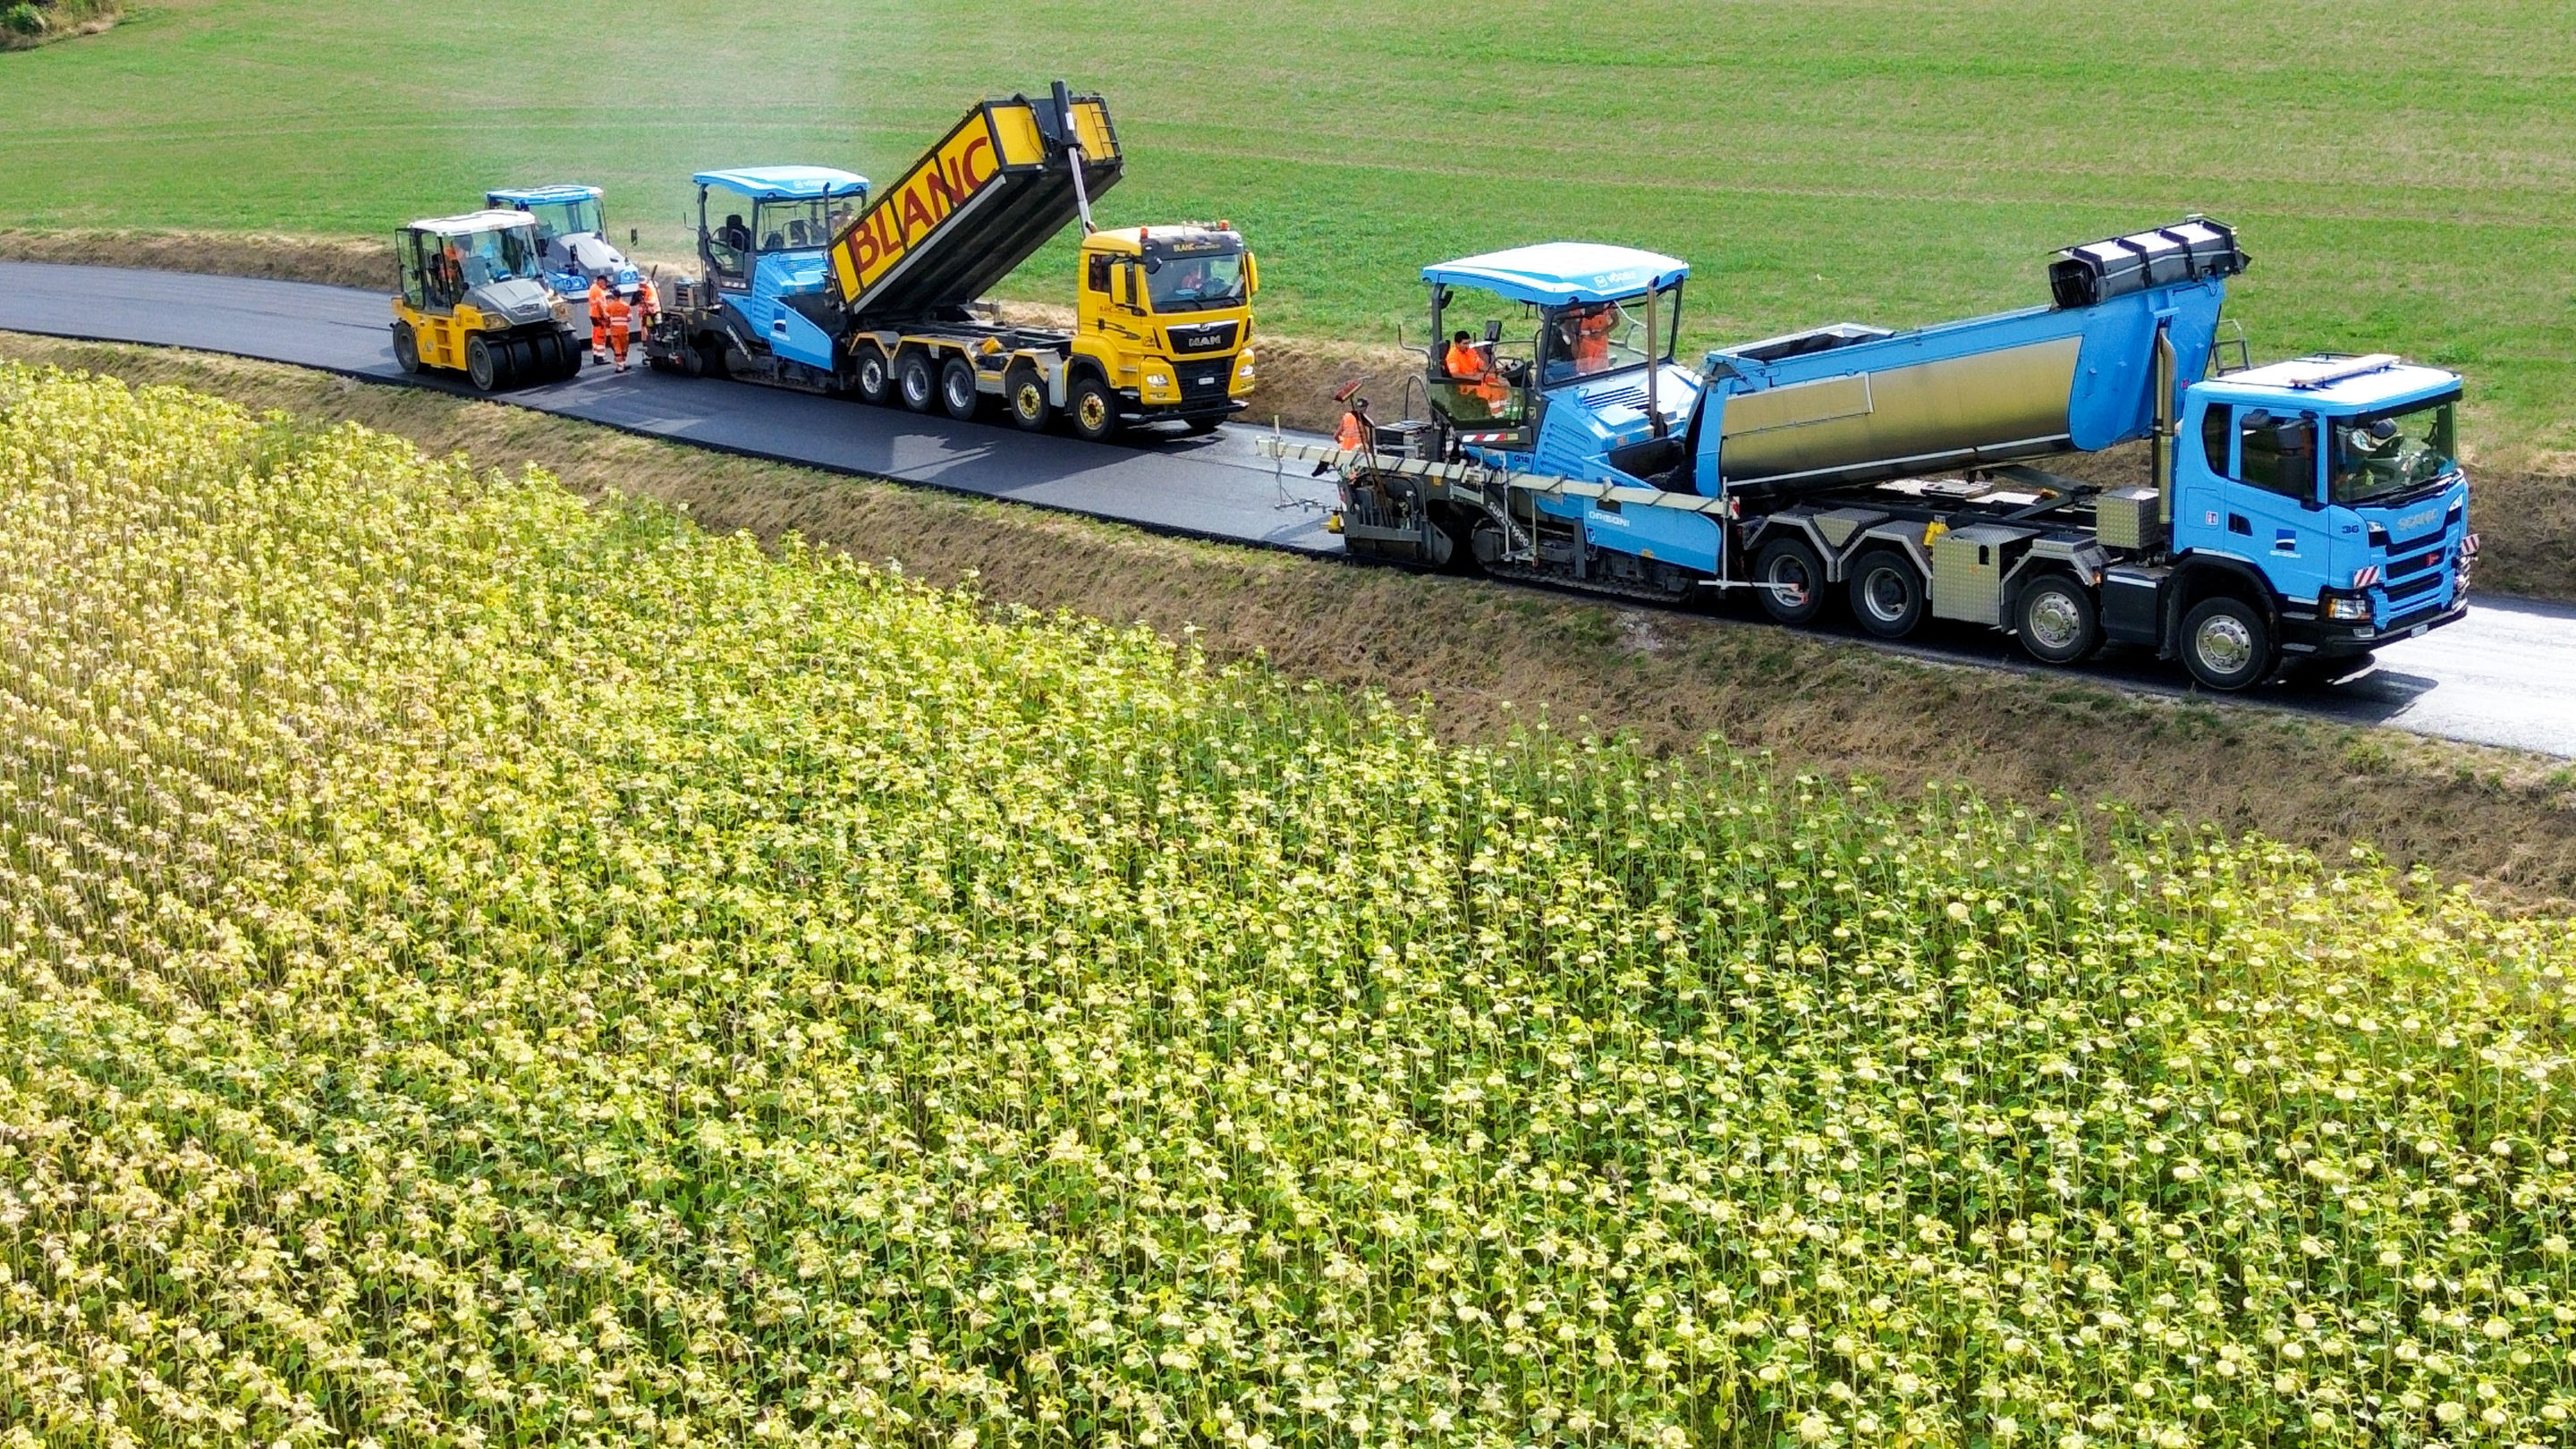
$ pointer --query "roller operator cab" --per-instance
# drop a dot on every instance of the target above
(572, 237)
(474, 299)
(2303, 511)
(759, 307)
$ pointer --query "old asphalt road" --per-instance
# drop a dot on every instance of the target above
(2504, 676)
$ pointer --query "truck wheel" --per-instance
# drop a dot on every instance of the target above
(1027, 396)
(406, 348)
(870, 375)
(957, 389)
(918, 381)
(485, 364)
(1095, 410)
(1790, 580)
(2225, 643)
(1887, 593)
(2057, 619)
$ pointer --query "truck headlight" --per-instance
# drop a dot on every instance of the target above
(563, 313)
(1156, 379)
(1243, 369)
(2345, 608)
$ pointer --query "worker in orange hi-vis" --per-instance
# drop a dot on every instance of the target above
(620, 314)
(599, 319)
(648, 305)
(1472, 366)
(1592, 340)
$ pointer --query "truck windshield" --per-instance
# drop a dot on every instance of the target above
(1600, 337)
(1194, 280)
(498, 256)
(563, 218)
(786, 226)
(2379, 455)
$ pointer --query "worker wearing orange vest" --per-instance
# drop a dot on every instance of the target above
(1354, 433)
(620, 314)
(1474, 373)
(1592, 340)
(599, 319)
(648, 305)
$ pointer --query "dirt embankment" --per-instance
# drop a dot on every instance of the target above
(2526, 520)
(1487, 656)
(26, 24)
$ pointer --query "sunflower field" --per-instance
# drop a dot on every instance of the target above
(483, 968)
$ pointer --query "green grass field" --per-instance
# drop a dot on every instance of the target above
(2403, 173)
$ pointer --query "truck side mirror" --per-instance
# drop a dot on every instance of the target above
(1251, 275)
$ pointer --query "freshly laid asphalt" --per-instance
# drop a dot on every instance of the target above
(2506, 675)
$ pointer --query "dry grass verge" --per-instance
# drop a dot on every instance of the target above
(1489, 656)
(26, 24)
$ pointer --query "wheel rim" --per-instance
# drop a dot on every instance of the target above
(2223, 644)
(1027, 400)
(2054, 621)
(1790, 584)
(961, 392)
(479, 362)
(1095, 411)
(916, 385)
(872, 376)
(1885, 595)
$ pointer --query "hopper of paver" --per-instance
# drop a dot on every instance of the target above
(1004, 181)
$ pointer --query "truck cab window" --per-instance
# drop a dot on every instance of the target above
(2215, 431)
(2277, 454)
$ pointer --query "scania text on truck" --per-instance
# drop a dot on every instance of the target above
(2307, 510)
(883, 306)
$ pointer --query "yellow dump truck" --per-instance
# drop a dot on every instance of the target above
(1163, 314)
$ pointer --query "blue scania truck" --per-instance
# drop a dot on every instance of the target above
(2294, 514)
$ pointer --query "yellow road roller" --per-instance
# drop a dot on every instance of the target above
(474, 300)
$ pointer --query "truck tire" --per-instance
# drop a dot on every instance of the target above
(486, 365)
(1093, 408)
(406, 348)
(917, 381)
(957, 392)
(1790, 580)
(1887, 593)
(871, 376)
(2058, 621)
(1026, 395)
(2226, 644)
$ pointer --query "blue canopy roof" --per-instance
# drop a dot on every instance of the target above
(784, 183)
(1555, 273)
(540, 195)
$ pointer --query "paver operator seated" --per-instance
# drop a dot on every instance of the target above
(1470, 364)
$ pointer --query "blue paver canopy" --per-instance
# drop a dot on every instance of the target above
(784, 183)
(1555, 273)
